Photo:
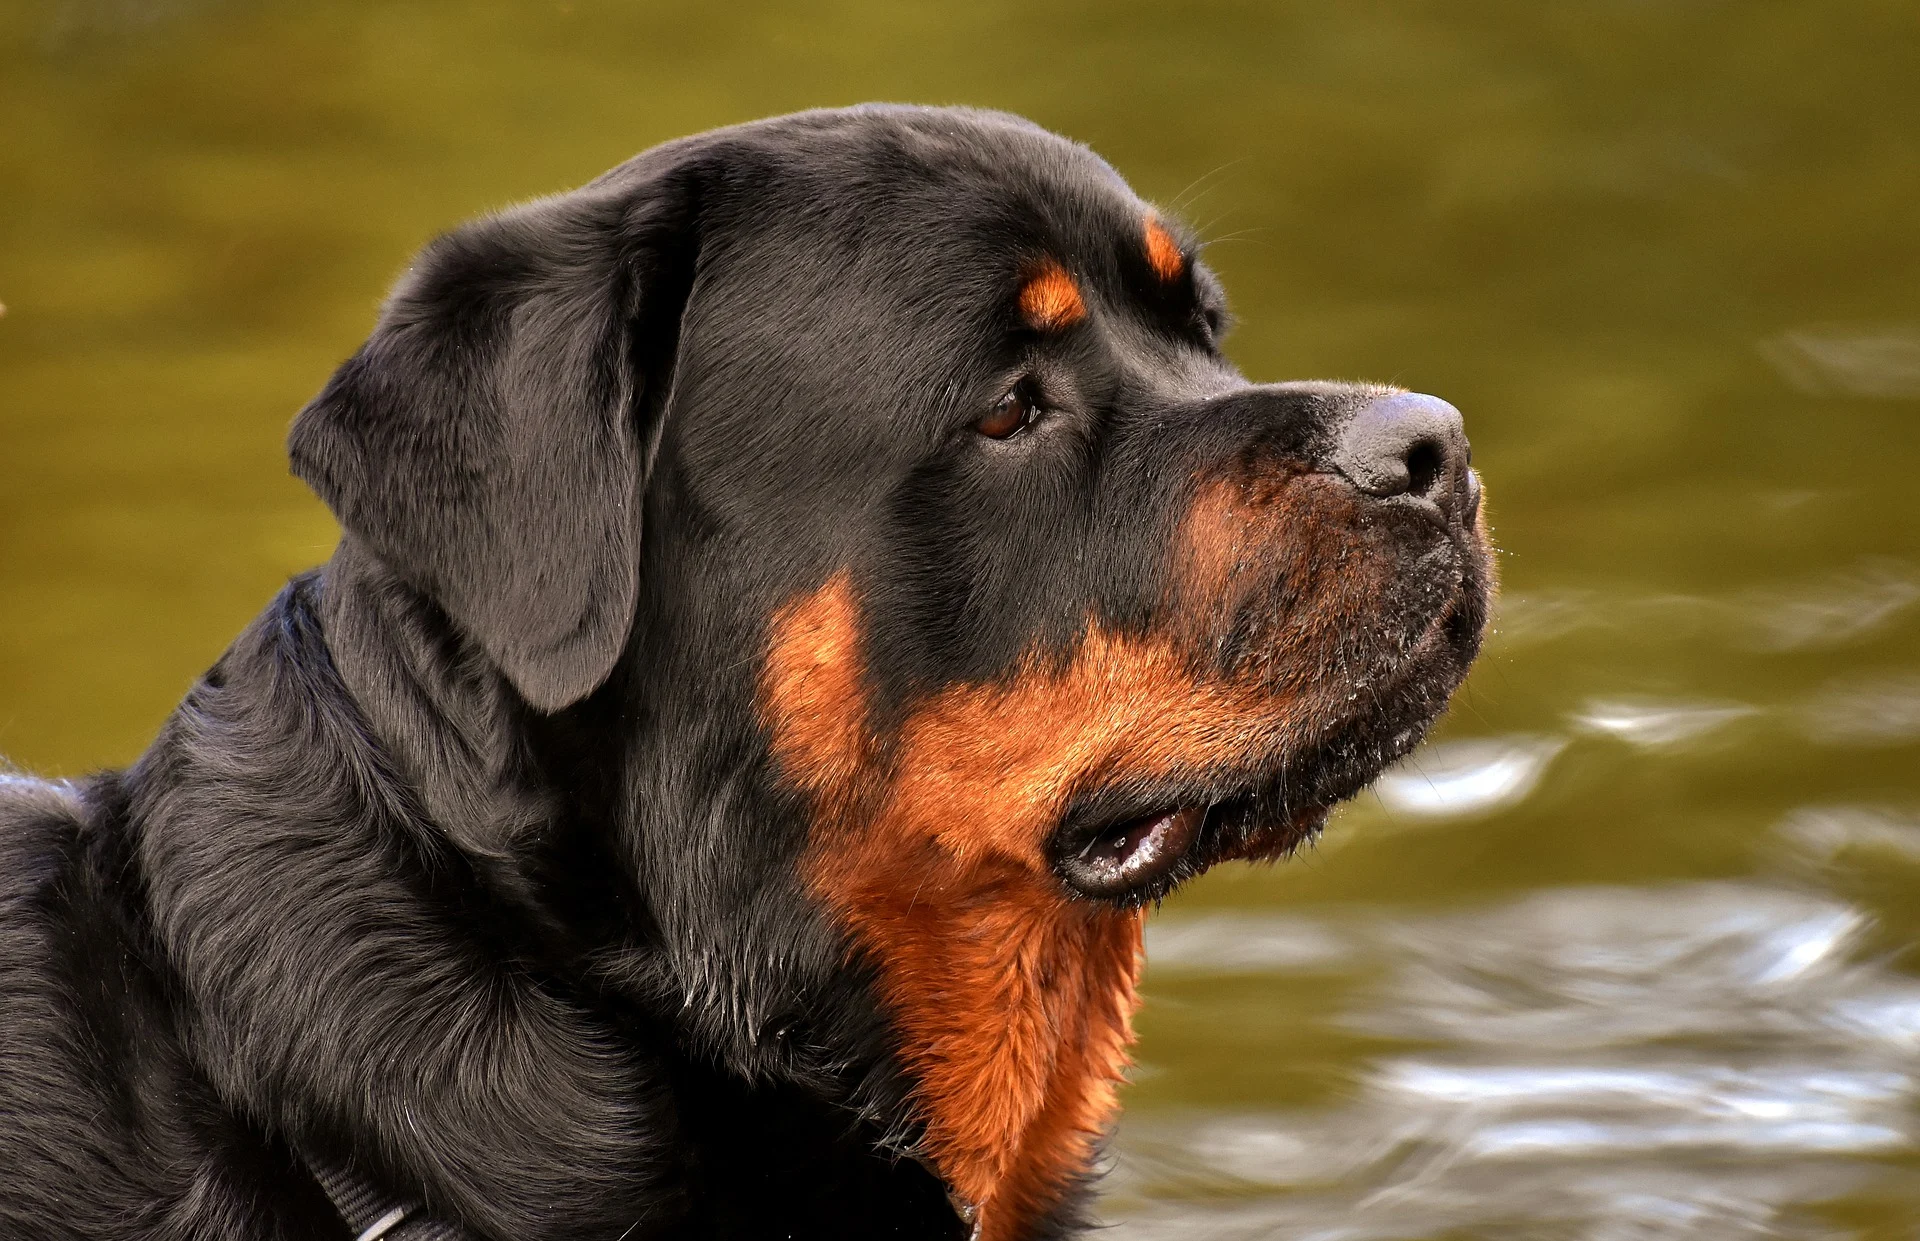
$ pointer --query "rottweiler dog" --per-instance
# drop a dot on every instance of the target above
(802, 597)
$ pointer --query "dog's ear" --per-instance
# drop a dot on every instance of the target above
(490, 441)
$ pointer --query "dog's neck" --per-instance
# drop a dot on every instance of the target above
(439, 709)
(343, 990)
(300, 802)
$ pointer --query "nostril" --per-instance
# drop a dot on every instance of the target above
(1426, 461)
(1402, 444)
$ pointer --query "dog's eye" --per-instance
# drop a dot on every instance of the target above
(1013, 414)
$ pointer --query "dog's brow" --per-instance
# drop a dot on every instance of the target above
(1050, 300)
(1163, 252)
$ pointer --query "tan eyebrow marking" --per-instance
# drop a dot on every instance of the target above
(1163, 252)
(1050, 300)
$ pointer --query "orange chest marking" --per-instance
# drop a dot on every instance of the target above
(1013, 1001)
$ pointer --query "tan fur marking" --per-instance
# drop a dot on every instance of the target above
(1163, 252)
(813, 673)
(1050, 300)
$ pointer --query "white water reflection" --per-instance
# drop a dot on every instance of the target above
(1826, 832)
(1702, 1060)
(1467, 777)
(1658, 723)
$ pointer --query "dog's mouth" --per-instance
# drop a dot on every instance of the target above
(1141, 859)
(1131, 842)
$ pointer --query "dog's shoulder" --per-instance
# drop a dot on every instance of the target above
(40, 831)
(105, 1131)
(30, 809)
(52, 1094)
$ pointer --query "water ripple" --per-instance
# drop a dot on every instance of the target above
(1870, 710)
(1609, 1064)
(1880, 361)
(1827, 612)
(1826, 832)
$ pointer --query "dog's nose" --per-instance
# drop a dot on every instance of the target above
(1407, 443)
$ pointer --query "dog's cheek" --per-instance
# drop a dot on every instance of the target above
(812, 695)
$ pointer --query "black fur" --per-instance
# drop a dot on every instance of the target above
(466, 864)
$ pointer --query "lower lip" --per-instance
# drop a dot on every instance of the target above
(1131, 854)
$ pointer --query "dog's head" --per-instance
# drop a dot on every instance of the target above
(872, 483)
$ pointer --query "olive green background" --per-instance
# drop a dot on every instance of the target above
(1628, 954)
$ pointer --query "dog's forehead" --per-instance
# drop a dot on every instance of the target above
(974, 156)
(959, 195)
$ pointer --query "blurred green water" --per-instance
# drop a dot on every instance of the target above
(1666, 256)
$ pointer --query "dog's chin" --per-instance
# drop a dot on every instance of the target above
(1134, 844)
